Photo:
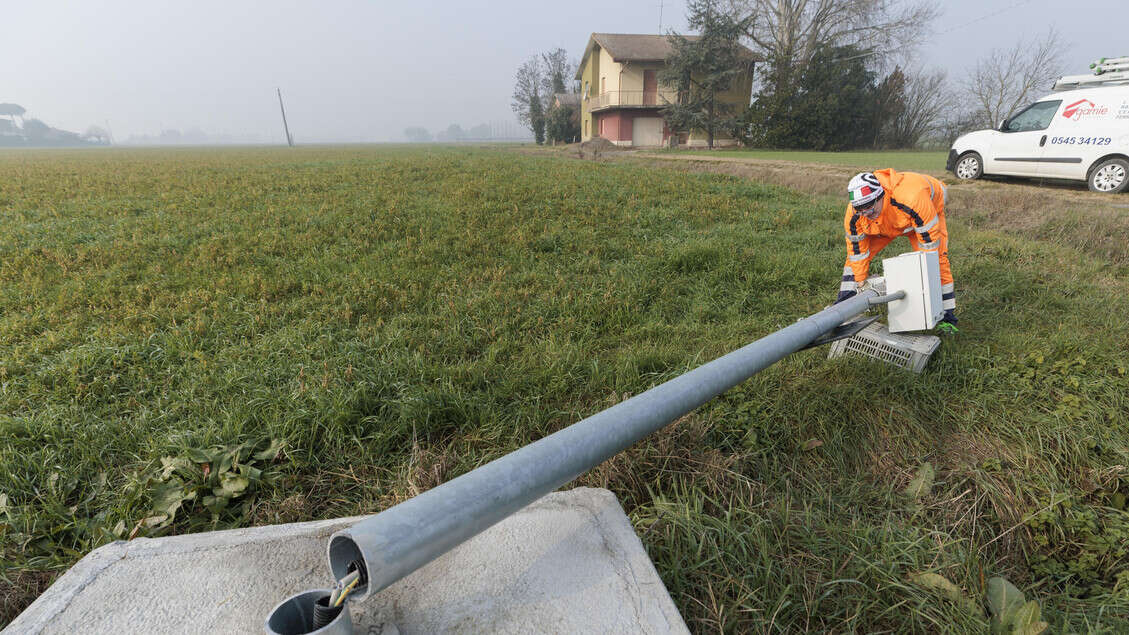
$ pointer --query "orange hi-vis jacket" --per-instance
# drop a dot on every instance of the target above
(913, 205)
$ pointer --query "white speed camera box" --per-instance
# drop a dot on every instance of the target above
(918, 273)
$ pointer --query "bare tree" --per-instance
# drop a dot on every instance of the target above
(558, 72)
(97, 135)
(417, 134)
(789, 32)
(528, 99)
(926, 100)
(1006, 80)
(889, 103)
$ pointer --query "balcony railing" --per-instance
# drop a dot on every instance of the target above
(633, 98)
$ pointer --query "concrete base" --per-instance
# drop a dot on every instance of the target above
(568, 563)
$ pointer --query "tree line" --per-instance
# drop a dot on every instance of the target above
(840, 74)
(835, 75)
(454, 133)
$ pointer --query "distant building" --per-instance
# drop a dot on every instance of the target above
(621, 97)
(566, 99)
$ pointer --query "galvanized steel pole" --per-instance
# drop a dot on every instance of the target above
(401, 539)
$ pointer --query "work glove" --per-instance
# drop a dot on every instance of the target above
(866, 285)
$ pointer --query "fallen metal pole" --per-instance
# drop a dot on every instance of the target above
(401, 539)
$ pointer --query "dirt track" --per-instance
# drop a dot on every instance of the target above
(1061, 211)
(823, 178)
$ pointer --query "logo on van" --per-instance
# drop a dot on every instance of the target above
(1083, 108)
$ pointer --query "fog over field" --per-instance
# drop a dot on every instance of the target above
(363, 71)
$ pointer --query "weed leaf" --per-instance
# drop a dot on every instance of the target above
(1027, 622)
(167, 498)
(233, 486)
(271, 453)
(921, 484)
(942, 585)
(1008, 607)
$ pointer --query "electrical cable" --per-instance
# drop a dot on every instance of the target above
(350, 581)
(345, 592)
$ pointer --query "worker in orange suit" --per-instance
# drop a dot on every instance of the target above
(885, 204)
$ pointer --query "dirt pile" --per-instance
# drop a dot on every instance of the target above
(596, 146)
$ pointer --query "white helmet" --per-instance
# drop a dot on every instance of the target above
(863, 189)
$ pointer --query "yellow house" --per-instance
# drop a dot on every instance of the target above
(621, 99)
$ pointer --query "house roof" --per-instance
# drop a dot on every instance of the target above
(567, 99)
(638, 47)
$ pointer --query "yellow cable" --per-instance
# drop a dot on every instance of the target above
(346, 590)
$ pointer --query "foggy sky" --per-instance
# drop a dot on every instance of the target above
(363, 71)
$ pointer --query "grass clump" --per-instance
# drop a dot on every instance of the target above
(331, 330)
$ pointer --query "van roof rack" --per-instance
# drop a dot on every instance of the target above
(1105, 71)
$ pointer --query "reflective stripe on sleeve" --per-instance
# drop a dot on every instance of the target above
(949, 305)
(848, 286)
(945, 288)
(857, 257)
(855, 237)
(847, 271)
(927, 226)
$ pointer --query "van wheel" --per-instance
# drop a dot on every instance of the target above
(1109, 176)
(969, 166)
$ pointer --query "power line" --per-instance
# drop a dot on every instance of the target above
(986, 16)
(949, 30)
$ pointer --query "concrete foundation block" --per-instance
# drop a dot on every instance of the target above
(568, 563)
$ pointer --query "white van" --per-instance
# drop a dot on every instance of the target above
(1076, 134)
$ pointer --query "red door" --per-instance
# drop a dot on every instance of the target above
(650, 88)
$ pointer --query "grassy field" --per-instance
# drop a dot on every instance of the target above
(196, 339)
(931, 161)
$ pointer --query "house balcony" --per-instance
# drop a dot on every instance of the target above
(632, 99)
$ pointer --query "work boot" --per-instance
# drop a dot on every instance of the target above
(948, 324)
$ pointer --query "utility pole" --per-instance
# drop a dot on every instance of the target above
(285, 128)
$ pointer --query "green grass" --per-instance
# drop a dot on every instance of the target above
(395, 317)
(929, 161)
